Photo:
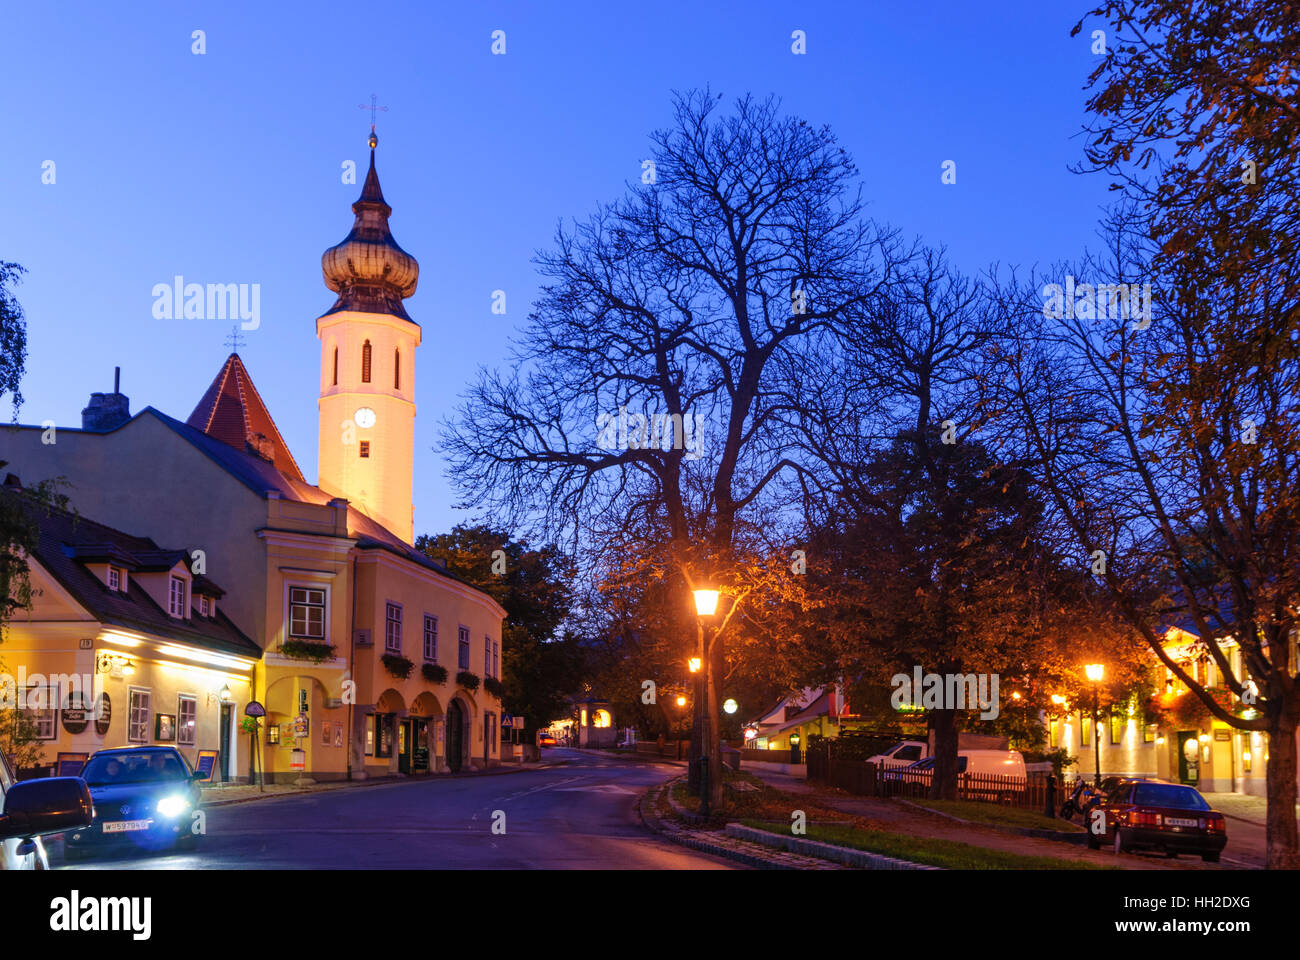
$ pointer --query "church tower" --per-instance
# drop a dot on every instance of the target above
(367, 367)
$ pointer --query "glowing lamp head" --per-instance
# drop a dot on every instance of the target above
(750, 733)
(681, 701)
(128, 668)
(1058, 699)
(706, 602)
(225, 693)
(729, 705)
(1095, 672)
(694, 664)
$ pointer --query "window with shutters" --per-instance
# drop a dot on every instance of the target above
(393, 628)
(430, 639)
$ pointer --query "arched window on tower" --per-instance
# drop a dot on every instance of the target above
(365, 362)
(336, 366)
(397, 369)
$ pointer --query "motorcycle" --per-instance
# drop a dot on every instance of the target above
(1082, 799)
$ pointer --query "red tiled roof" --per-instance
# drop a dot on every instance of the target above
(232, 411)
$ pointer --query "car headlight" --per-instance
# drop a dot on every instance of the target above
(172, 806)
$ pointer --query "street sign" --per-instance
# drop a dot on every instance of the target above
(507, 721)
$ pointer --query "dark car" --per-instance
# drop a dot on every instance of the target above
(32, 809)
(1149, 814)
(144, 797)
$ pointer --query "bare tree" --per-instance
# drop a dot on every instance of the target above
(653, 382)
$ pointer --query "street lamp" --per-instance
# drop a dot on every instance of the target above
(706, 605)
(1094, 672)
(706, 602)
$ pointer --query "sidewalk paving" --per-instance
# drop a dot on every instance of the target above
(1238, 806)
(898, 818)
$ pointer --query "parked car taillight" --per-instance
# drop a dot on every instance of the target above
(1214, 825)
(1142, 818)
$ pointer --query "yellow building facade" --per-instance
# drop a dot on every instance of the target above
(373, 656)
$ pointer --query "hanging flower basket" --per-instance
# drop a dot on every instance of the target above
(434, 672)
(467, 680)
(307, 650)
(398, 666)
(495, 687)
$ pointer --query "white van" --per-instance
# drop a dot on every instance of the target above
(901, 754)
(1003, 763)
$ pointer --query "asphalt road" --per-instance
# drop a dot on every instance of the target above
(579, 815)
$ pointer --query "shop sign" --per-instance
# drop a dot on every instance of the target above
(103, 714)
(75, 716)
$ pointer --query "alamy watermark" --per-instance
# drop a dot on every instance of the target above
(946, 691)
(658, 431)
(179, 300)
(1085, 301)
(34, 691)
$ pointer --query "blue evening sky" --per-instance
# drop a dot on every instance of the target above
(225, 167)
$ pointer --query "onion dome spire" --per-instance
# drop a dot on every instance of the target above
(368, 270)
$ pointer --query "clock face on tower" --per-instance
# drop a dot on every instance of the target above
(364, 418)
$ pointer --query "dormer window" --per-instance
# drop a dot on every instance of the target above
(114, 578)
(205, 606)
(176, 597)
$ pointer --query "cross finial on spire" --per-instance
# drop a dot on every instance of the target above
(235, 340)
(374, 140)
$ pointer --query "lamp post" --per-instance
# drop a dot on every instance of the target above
(1095, 671)
(706, 604)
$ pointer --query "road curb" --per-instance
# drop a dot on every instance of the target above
(758, 860)
(848, 856)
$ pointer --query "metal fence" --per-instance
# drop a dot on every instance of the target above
(1035, 792)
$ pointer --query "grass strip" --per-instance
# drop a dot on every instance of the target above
(949, 854)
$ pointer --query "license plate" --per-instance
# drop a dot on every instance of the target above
(125, 826)
(1182, 822)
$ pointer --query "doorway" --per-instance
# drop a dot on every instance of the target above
(455, 736)
(404, 747)
(419, 745)
(1188, 757)
(227, 716)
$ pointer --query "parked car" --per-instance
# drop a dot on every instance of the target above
(1145, 813)
(901, 754)
(32, 809)
(144, 797)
